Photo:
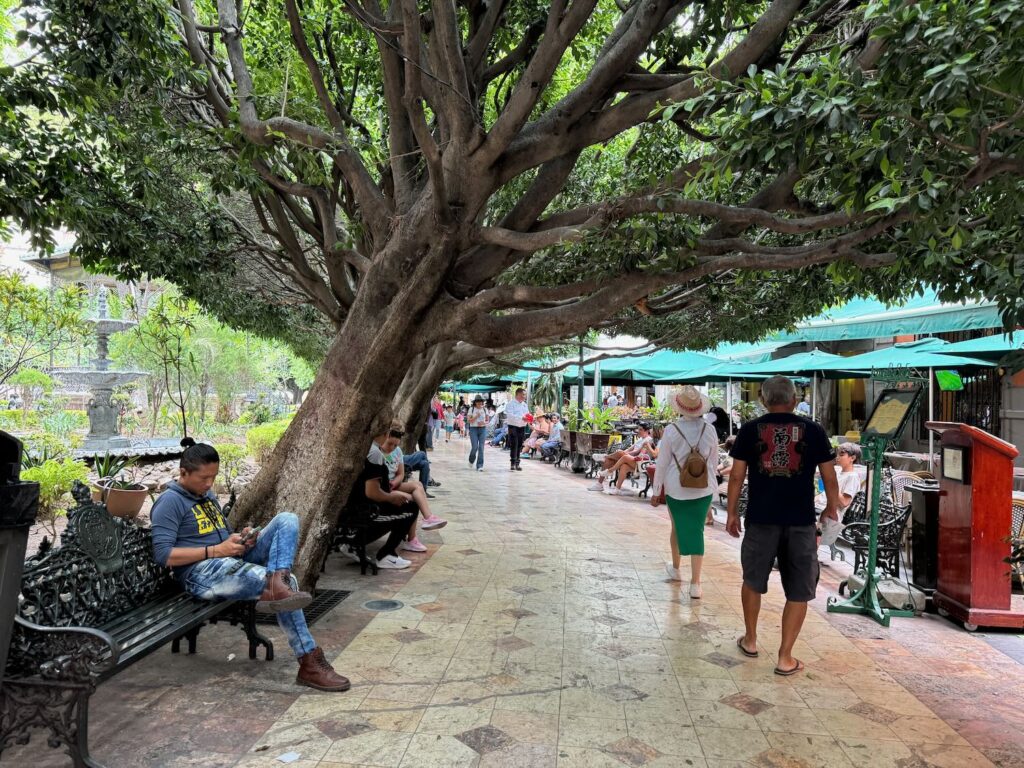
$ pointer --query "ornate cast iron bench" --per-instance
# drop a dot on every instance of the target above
(88, 609)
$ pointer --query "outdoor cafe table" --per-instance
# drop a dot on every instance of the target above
(909, 461)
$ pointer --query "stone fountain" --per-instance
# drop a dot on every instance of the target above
(100, 381)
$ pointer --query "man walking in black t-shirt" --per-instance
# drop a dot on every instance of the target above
(781, 450)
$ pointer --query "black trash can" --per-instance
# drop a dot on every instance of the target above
(924, 534)
(19, 503)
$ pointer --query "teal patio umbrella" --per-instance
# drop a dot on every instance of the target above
(988, 347)
(924, 354)
(811, 364)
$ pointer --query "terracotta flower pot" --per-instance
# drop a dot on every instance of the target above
(125, 502)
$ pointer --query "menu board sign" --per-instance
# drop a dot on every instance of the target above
(891, 412)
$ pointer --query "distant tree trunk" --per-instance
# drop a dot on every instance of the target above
(155, 392)
(294, 390)
(204, 390)
(413, 396)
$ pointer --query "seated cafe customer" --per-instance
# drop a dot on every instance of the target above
(847, 456)
(213, 563)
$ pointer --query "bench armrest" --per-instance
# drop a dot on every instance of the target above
(69, 654)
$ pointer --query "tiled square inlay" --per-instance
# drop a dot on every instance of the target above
(632, 751)
(485, 739)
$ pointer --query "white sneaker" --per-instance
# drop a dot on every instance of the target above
(614, 491)
(673, 572)
(696, 592)
(394, 562)
(479, 469)
(602, 474)
(598, 486)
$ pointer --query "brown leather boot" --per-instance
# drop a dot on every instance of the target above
(316, 672)
(278, 596)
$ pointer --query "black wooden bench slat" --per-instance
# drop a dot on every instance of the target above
(156, 636)
(125, 623)
(162, 621)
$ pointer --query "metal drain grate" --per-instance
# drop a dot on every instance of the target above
(323, 601)
(383, 605)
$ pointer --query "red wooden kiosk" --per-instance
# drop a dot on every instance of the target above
(975, 499)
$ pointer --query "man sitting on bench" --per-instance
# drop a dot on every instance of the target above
(191, 536)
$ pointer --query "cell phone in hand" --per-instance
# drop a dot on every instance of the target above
(251, 534)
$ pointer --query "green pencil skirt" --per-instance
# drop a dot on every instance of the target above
(689, 515)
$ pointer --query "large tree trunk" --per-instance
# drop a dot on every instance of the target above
(314, 465)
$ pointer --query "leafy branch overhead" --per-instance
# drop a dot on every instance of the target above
(570, 159)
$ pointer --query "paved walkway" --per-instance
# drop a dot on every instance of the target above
(541, 632)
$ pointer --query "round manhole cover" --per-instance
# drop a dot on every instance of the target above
(383, 605)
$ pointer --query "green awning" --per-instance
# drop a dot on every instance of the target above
(719, 372)
(872, 319)
(461, 386)
(988, 347)
(806, 364)
(919, 355)
(758, 352)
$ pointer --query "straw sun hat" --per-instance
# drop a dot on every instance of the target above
(690, 403)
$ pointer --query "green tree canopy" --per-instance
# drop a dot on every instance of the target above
(416, 185)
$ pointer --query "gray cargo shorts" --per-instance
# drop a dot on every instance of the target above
(795, 546)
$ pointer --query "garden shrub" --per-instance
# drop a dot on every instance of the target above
(55, 478)
(231, 457)
(15, 419)
(260, 441)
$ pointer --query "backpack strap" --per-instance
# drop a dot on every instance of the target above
(687, 442)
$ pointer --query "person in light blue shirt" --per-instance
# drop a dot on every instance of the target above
(549, 448)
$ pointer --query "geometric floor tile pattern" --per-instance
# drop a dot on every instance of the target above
(540, 631)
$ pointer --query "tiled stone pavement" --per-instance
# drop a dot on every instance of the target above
(542, 632)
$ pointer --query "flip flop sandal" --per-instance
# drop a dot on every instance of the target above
(787, 672)
(748, 654)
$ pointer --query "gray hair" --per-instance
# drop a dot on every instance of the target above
(778, 390)
(850, 449)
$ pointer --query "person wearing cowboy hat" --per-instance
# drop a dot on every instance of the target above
(684, 477)
(778, 454)
(477, 419)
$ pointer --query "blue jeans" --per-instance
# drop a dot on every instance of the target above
(550, 447)
(476, 445)
(499, 435)
(418, 460)
(232, 578)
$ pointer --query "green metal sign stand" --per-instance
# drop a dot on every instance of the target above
(896, 407)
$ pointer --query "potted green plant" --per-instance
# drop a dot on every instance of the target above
(106, 467)
(123, 495)
(597, 424)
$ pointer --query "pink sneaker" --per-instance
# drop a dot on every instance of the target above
(413, 546)
(432, 522)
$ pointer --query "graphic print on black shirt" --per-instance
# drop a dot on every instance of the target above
(781, 449)
(782, 452)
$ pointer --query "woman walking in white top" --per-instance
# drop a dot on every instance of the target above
(684, 476)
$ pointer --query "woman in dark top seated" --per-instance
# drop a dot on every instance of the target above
(375, 510)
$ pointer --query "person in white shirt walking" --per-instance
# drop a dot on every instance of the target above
(515, 417)
(684, 476)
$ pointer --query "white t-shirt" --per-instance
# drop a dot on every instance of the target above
(515, 413)
(674, 448)
(613, 401)
(849, 485)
